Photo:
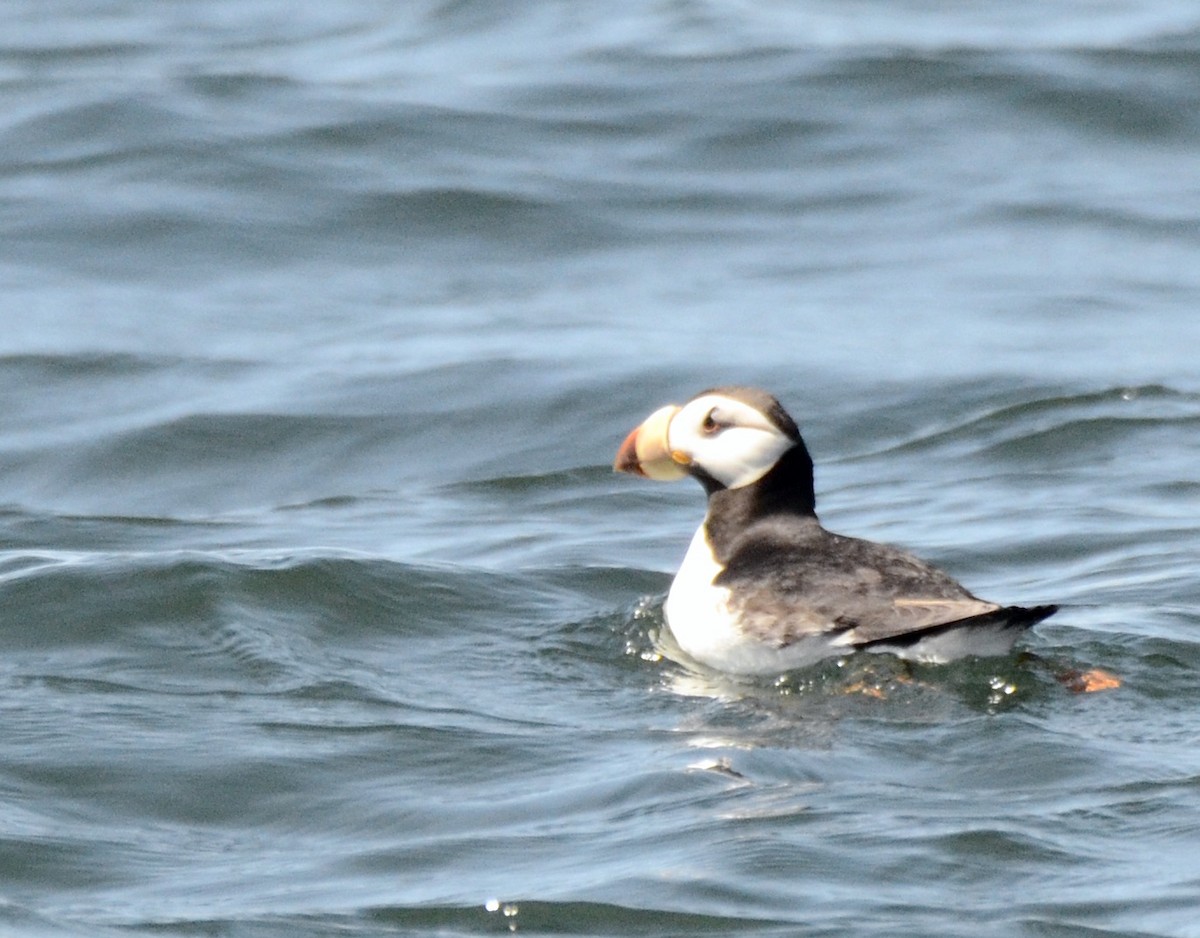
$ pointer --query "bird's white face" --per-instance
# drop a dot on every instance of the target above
(725, 438)
(728, 439)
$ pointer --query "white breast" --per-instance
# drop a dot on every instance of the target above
(699, 616)
(697, 611)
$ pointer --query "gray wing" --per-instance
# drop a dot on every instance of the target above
(785, 589)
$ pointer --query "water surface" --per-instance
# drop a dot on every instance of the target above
(323, 611)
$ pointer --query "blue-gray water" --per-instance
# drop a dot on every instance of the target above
(321, 611)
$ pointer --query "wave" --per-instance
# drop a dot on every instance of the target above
(263, 617)
(1055, 423)
(567, 918)
(605, 150)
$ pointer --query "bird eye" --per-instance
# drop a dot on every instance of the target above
(710, 424)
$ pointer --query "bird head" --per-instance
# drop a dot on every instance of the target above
(725, 437)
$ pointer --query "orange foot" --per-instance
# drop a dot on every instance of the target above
(1085, 682)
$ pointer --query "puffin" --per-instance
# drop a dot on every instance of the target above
(764, 588)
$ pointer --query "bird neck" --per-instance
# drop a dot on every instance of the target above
(786, 490)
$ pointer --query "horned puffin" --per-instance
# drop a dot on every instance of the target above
(764, 588)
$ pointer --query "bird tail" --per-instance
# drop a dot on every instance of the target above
(1025, 616)
(992, 633)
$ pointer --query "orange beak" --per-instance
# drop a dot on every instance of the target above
(646, 451)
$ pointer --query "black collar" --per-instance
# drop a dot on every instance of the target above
(786, 490)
